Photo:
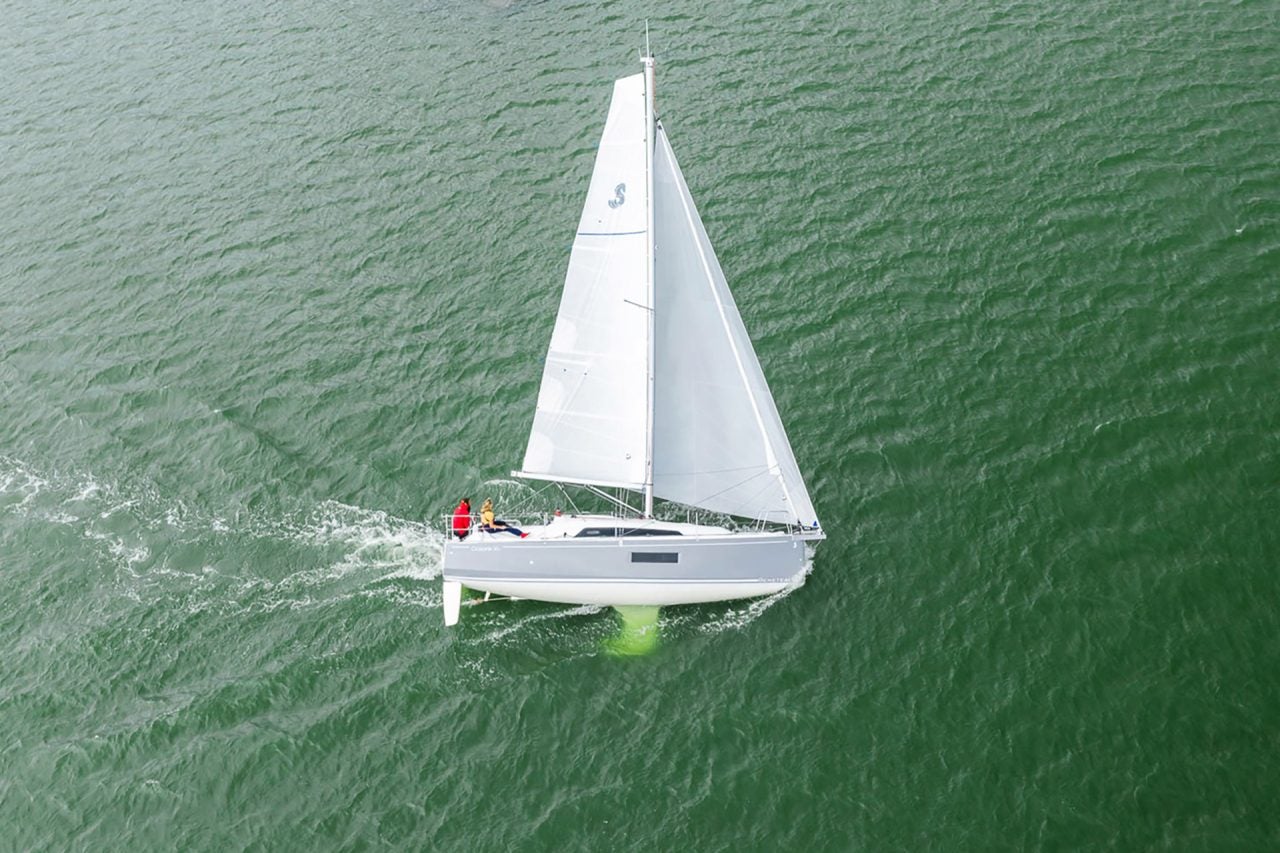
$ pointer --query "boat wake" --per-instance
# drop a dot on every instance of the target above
(154, 546)
(524, 622)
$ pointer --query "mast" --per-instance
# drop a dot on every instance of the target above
(649, 132)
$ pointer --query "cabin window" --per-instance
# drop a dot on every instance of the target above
(596, 532)
(655, 557)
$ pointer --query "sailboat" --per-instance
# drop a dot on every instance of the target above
(650, 388)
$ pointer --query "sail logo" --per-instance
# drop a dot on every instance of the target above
(620, 196)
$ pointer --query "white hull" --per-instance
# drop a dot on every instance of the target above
(622, 593)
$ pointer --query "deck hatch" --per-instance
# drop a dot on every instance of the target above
(596, 532)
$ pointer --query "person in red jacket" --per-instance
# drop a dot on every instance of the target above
(462, 518)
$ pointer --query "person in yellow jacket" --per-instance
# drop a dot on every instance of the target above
(489, 524)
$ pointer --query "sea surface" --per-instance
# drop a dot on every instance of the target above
(276, 281)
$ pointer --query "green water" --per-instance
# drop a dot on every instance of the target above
(275, 285)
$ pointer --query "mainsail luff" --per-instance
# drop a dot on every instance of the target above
(650, 121)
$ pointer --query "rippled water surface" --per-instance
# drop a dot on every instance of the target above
(275, 285)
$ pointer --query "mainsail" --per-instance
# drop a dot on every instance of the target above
(717, 442)
(591, 423)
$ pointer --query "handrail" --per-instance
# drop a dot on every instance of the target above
(473, 525)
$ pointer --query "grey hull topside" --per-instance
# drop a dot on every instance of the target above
(766, 558)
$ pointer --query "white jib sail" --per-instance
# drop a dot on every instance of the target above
(591, 423)
(719, 443)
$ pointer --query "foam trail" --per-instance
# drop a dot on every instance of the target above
(136, 530)
(581, 610)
